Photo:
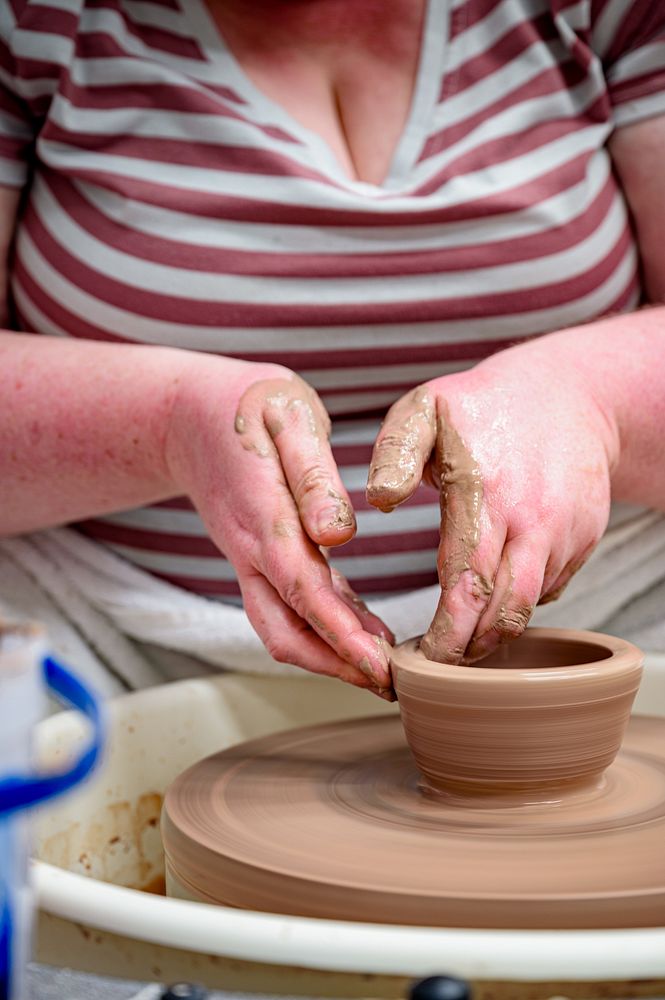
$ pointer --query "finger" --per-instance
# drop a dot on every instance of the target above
(553, 588)
(402, 449)
(517, 587)
(294, 565)
(288, 638)
(469, 549)
(457, 615)
(369, 621)
(287, 415)
(298, 424)
(300, 574)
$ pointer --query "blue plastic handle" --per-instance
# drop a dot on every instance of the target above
(20, 792)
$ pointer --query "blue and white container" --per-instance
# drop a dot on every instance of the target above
(26, 674)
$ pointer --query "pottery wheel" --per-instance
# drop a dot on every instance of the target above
(331, 821)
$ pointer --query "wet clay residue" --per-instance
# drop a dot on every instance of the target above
(121, 846)
(402, 450)
(461, 496)
(266, 406)
(511, 618)
(566, 575)
(461, 500)
(341, 512)
(271, 406)
(412, 431)
(156, 886)
(255, 442)
(415, 433)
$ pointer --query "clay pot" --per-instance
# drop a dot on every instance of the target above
(543, 714)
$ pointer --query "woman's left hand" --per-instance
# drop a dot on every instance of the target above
(522, 453)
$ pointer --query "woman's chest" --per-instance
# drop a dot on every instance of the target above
(345, 70)
(173, 204)
(363, 303)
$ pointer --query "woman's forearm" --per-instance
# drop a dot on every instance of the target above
(82, 428)
(87, 428)
(621, 361)
(82, 424)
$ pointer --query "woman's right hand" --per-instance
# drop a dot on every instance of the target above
(248, 443)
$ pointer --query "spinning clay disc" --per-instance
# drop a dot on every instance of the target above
(332, 821)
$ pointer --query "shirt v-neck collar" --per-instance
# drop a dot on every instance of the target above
(313, 146)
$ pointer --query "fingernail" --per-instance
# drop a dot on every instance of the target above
(380, 676)
(479, 648)
(337, 518)
(384, 647)
(393, 477)
(473, 652)
(366, 668)
(379, 496)
(385, 693)
(357, 602)
(428, 647)
(380, 487)
(440, 652)
(378, 673)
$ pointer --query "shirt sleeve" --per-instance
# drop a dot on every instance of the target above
(37, 42)
(629, 37)
(17, 125)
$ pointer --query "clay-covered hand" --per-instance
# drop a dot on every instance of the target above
(249, 444)
(521, 452)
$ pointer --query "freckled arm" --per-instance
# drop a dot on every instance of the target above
(81, 428)
(88, 428)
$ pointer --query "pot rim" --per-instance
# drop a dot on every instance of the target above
(622, 658)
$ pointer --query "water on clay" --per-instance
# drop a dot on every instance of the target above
(333, 821)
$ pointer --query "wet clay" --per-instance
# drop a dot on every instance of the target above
(461, 496)
(402, 450)
(270, 406)
(416, 430)
(528, 828)
(461, 500)
(265, 407)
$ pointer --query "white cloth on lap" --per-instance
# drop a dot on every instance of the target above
(111, 619)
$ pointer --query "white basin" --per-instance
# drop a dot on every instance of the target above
(100, 846)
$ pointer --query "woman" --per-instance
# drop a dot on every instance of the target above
(377, 197)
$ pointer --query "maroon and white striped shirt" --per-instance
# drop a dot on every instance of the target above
(171, 202)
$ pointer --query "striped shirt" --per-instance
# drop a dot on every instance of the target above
(169, 201)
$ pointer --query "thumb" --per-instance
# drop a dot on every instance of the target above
(402, 449)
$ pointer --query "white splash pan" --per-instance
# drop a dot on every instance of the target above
(96, 847)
